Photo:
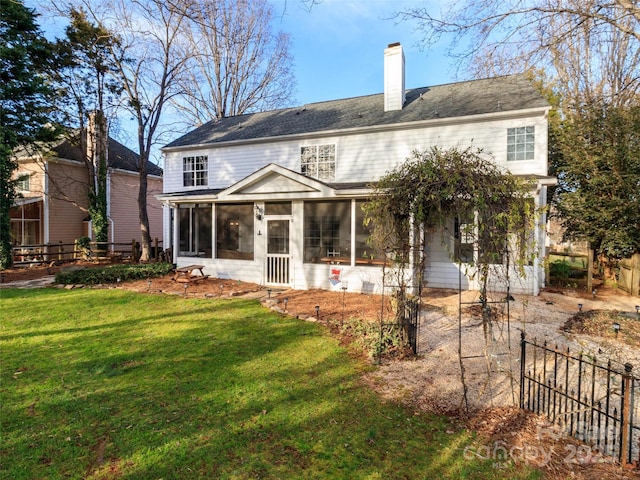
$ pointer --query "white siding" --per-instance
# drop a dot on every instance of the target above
(363, 157)
(360, 157)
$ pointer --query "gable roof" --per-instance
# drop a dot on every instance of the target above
(67, 148)
(120, 157)
(491, 95)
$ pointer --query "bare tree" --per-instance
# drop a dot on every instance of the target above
(240, 66)
(208, 57)
(591, 46)
(149, 59)
(86, 86)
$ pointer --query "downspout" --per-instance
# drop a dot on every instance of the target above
(112, 234)
(175, 244)
(45, 205)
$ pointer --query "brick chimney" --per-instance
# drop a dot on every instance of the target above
(393, 77)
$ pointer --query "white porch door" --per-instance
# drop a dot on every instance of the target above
(278, 256)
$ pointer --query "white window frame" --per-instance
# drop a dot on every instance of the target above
(319, 161)
(195, 171)
(521, 143)
(23, 182)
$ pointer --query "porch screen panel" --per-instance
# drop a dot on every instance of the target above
(234, 231)
(327, 232)
(492, 239)
(184, 227)
(366, 254)
(277, 208)
(194, 227)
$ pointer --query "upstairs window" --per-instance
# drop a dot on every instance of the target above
(195, 171)
(318, 161)
(520, 143)
(24, 183)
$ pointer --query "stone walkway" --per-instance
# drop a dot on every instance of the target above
(45, 281)
(48, 280)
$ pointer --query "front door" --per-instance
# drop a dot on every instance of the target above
(278, 257)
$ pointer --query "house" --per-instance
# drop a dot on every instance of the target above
(275, 197)
(52, 203)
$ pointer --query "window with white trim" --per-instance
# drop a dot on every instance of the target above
(195, 171)
(520, 143)
(23, 183)
(318, 161)
(464, 234)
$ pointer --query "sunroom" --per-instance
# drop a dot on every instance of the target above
(275, 227)
(278, 227)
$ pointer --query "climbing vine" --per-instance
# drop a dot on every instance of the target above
(431, 189)
(461, 194)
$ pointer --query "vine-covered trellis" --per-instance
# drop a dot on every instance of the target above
(492, 212)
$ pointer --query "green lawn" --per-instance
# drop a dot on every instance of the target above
(113, 384)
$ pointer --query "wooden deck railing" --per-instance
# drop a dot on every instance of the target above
(58, 252)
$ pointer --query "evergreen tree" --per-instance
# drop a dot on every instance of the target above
(598, 169)
(25, 103)
(87, 86)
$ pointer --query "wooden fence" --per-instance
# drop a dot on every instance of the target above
(629, 275)
(25, 255)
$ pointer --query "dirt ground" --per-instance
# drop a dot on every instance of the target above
(431, 381)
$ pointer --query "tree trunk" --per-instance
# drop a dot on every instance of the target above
(589, 268)
(97, 162)
(145, 237)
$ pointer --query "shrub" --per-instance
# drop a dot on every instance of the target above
(560, 270)
(371, 339)
(111, 273)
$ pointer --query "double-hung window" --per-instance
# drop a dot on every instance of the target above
(318, 161)
(195, 171)
(23, 183)
(520, 143)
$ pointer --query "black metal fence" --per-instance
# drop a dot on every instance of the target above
(410, 317)
(591, 402)
(406, 323)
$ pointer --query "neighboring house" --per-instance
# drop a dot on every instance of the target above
(274, 197)
(52, 207)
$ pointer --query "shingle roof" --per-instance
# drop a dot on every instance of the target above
(514, 92)
(120, 157)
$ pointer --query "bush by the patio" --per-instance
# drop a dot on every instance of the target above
(560, 270)
(376, 340)
(111, 273)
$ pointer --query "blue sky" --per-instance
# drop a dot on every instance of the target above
(338, 47)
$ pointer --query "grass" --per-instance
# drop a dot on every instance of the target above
(101, 384)
(577, 261)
